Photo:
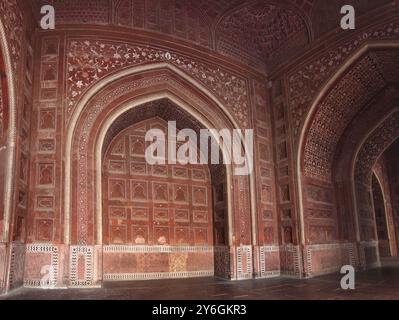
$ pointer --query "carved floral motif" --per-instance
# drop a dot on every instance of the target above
(12, 19)
(90, 61)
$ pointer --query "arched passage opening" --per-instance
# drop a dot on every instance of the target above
(159, 220)
(369, 158)
(337, 152)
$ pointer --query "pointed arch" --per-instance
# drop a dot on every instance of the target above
(321, 96)
(203, 105)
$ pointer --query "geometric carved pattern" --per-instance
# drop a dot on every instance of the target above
(244, 30)
(197, 20)
(45, 174)
(156, 275)
(130, 262)
(180, 19)
(17, 265)
(155, 249)
(269, 259)
(47, 119)
(242, 203)
(223, 267)
(81, 266)
(328, 258)
(44, 230)
(12, 19)
(95, 11)
(45, 222)
(244, 262)
(289, 260)
(42, 281)
(143, 206)
(346, 99)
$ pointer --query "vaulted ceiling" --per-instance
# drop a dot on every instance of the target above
(261, 33)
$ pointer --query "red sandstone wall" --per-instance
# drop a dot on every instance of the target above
(61, 66)
(65, 73)
(392, 172)
(326, 229)
(154, 206)
(285, 182)
(19, 30)
(381, 219)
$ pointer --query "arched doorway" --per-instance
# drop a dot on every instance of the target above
(159, 220)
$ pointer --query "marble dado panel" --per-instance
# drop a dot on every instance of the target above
(369, 255)
(90, 266)
(329, 258)
(156, 262)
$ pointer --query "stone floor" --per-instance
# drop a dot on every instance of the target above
(372, 284)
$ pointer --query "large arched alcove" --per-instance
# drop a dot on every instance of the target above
(375, 113)
(356, 99)
(169, 216)
(88, 130)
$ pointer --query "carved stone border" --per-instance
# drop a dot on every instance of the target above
(88, 253)
(157, 275)
(54, 252)
(263, 251)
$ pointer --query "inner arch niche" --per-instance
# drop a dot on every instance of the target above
(159, 221)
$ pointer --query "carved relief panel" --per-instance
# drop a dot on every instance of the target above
(160, 204)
